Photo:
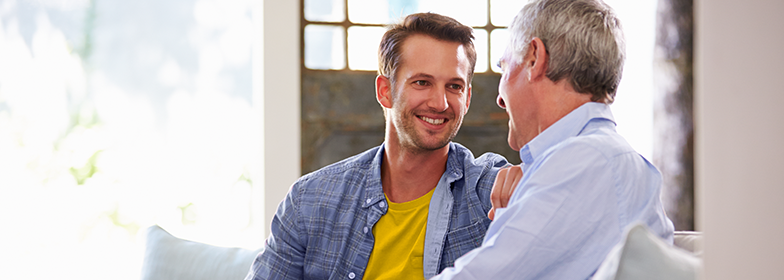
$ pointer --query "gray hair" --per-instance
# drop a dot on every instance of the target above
(583, 39)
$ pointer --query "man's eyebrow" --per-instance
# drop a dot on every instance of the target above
(501, 62)
(431, 77)
(457, 79)
(418, 76)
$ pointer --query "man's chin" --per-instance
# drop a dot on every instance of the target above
(429, 146)
(512, 142)
(425, 140)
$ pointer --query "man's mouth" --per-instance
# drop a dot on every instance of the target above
(432, 121)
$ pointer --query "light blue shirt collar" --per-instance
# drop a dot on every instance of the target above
(569, 126)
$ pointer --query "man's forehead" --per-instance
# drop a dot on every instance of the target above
(408, 53)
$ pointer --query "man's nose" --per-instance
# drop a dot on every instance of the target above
(500, 101)
(438, 100)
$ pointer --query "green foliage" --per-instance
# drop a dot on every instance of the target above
(131, 227)
(188, 214)
(81, 174)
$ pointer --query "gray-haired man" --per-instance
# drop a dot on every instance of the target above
(583, 183)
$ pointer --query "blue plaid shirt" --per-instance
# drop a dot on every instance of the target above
(323, 228)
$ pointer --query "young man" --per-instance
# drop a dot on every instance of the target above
(583, 185)
(408, 208)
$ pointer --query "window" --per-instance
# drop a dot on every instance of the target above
(116, 115)
(344, 34)
(340, 41)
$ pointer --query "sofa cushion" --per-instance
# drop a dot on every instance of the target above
(690, 241)
(641, 255)
(168, 257)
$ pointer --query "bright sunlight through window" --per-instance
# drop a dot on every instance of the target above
(117, 115)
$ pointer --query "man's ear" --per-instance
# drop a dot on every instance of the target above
(384, 91)
(536, 59)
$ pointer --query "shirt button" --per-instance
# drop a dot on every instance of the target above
(365, 229)
(351, 275)
(381, 204)
(367, 201)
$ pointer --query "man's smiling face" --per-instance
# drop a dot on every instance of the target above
(431, 94)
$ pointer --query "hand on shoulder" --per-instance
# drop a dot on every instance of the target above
(505, 183)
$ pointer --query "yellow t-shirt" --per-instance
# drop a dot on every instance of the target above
(400, 241)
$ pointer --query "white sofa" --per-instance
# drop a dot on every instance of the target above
(167, 257)
(639, 256)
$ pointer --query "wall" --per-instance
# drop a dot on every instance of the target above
(276, 95)
(341, 117)
(739, 124)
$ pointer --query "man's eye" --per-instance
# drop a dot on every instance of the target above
(455, 87)
(420, 83)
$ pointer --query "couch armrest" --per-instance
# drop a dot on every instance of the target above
(690, 241)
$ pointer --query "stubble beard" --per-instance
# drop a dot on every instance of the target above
(411, 140)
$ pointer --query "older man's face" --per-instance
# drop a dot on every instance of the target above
(515, 95)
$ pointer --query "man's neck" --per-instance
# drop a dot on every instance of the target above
(560, 100)
(407, 175)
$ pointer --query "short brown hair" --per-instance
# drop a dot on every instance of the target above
(437, 26)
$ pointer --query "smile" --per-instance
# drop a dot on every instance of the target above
(431, 121)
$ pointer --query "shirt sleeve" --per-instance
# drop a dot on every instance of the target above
(283, 254)
(561, 222)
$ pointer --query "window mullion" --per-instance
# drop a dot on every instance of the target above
(346, 24)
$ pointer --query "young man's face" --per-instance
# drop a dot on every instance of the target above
(431, 94)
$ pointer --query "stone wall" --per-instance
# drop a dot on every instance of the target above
(341, 117)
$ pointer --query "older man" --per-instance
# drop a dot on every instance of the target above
(583, 184)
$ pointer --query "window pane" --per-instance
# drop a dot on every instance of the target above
(499, 38)
(480, 43)
(370, 11)
(110, 124)
(502, 12)
(324, 10)
(468, 12)
(363, 47)
(324, 47)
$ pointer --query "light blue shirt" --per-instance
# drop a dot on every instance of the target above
(583, 184)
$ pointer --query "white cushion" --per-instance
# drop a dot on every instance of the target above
(690, 241)
(642, 256)
(168, 257)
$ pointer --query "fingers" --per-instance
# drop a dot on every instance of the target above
(513, 175)
(504, 186)
(498, 186)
